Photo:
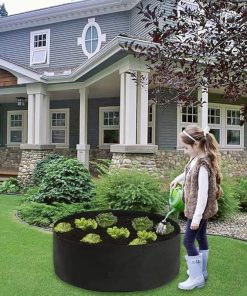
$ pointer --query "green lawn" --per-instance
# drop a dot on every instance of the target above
(26, 267)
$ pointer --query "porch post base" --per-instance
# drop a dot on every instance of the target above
(83, 154)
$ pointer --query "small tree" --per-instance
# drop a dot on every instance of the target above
(198, 45)
(3, 11)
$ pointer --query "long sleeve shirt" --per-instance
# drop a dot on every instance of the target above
(202, 197)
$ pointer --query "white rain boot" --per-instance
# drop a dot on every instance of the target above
(196, 278)
(204, 263)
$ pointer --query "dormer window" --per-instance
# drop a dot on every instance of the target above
(40, 47)
(92, 38)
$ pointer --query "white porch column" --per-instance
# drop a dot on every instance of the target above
(82, 147)
(142, 110)
(31, 118)
(203, 96)
(122, 108)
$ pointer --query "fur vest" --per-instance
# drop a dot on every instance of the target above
(191, 189)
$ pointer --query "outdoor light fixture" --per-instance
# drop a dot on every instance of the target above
(20, 101)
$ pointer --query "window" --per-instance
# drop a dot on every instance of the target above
(40, 47)
(189, 115)
(233, 129)
(16, 127)
(214, 122)
(108, 126)
(92, 38)
(59, 127)
(151, 122)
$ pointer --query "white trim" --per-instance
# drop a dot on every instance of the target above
(102, 127)
(65, 12)
(45, 49)
(65, 128)
(152, 123)
(82, 40)
(23, 128)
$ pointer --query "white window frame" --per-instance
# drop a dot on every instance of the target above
(103, 145)
(65, 128)
(152, 123)
(46, 48)
(217, 126)
(23, 128)
(82, 40)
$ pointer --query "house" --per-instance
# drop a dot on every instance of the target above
(64, 86)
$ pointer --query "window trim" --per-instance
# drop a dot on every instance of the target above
(66, 128)
(39, 49)
(152, 123)
(101, 125)
(23, 128)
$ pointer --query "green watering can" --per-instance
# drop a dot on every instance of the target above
(176, 205)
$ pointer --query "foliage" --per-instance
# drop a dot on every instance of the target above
(63, 227)
(147, 235)
(64, 180)
(241, 192)
(142, 223)
(91, 238)
(46, 215)
(128, 190)
(9, 186)
(203, 46)
(228, 202)
(84, 223)
(106, 219)
(102, 166)
(138, 241)
(3, 11)
(39, 171)
(116, 232)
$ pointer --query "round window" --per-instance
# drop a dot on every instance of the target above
(91, 39)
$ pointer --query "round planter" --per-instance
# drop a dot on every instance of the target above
(116, 266)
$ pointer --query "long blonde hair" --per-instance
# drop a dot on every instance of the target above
(207, 143)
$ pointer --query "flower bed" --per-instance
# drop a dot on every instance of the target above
(113, 253)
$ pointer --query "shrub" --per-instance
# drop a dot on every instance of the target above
(65, 180)
(228, 202)
(241, 192)
(9, 186)
(39, 171)
(46, 215)
(128, 190)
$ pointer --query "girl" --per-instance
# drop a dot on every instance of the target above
(201, 190)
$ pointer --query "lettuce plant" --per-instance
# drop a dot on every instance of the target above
(91, 238)
(84, 223)
(63, 227)
(142, 223)
(147, 235)
(116, 232)
(138, 241)
(106, 219)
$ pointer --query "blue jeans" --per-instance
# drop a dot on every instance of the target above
(199, 234)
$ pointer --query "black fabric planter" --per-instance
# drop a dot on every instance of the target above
(116, 267)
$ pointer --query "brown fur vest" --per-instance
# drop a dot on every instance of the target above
(191, 189)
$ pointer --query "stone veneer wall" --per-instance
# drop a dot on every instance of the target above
(10, 157)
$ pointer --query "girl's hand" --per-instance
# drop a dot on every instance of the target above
(194, 226)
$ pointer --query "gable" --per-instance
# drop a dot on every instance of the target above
(7, 78)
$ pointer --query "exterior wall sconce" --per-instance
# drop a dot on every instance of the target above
(20, 101)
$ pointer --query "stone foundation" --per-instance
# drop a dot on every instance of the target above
(140, 162)
(95, 155)
(10, 157)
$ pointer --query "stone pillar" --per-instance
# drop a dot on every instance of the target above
(83, 148)
(203, 96)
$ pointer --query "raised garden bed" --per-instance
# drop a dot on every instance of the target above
(112, 264)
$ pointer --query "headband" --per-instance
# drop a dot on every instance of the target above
(188, 135)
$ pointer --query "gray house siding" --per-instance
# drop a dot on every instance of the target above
(93, 118)
(64, 51)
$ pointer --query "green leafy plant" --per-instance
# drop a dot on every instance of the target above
(116, 232)
(169, 228)
(241, 192)
(84, 223)
(142, 223)
(91, 238)
(102, 166)
(106, 220)
(63, 227)
(138, 241)
(147, 235)
(128, 190)
(10, 186)
(65, 180)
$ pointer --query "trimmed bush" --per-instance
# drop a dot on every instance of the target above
(10, 186)
(64, 180)
(128, 190)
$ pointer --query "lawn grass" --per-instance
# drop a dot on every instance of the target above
(26, 267)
